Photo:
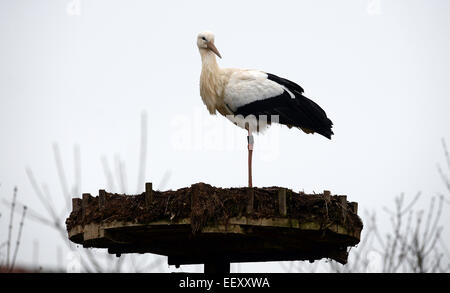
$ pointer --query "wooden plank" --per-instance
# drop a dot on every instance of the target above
(148, 193)
(92, 232)
(84, 204)
(343, 201)
(101, 199)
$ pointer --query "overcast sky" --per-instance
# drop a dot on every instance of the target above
(82, 75)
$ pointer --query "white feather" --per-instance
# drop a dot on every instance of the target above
(247, 86)
(289, 92)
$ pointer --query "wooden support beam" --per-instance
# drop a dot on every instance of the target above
(148, 193)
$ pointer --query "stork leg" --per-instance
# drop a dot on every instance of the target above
(250, 153)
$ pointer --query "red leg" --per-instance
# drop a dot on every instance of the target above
(250, 153)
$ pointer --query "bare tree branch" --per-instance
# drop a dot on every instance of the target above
(40, 195)
(61, 175)
(77, 171)
(446, 153)
(13, 204)
(18, 239)
(166, 176)
(90, 260)
(120, 171)
(108, 174)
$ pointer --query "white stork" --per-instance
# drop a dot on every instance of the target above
(247, 97)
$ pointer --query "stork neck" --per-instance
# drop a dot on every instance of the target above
(209, 62)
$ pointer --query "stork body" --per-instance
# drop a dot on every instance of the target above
(239, 94)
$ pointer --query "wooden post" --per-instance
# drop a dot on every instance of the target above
(101, 199)
(354, 207)
(76, 204)
(148, 194)
(282, 201)
(343, 200)
(84, 204)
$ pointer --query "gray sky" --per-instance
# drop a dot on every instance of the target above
(380, 69)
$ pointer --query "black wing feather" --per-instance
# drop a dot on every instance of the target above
(287, 83)
(299, 112)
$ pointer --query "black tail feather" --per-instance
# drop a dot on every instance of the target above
(317, 118)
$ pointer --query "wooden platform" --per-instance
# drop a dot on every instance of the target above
(204, 224)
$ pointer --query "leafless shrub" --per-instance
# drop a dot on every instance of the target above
(411, 247)
(11, 257)
(445, 177)
(413, 243)
(91, 260)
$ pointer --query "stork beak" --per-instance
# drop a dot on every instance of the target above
(213, 48)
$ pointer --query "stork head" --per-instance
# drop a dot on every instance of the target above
(205, 41)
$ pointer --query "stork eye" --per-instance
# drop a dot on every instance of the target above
(203, 38)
